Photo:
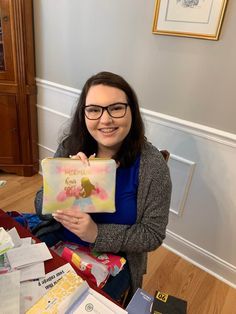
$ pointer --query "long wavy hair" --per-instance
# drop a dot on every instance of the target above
(79, 139)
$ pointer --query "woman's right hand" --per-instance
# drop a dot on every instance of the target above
(81, 156)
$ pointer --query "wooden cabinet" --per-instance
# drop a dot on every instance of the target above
(18, 115)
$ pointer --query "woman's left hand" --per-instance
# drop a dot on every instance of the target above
(81, 224)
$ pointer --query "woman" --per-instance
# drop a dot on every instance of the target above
(107, 123)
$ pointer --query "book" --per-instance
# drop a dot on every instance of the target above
(61, 296)
(91, 301)
(92, 305)
(141, 302)
(70, 295)
(168, 304)
(32, 290)
(71, 183)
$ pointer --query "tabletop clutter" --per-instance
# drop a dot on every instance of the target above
(25, 288)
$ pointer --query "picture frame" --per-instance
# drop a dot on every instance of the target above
(189, 18)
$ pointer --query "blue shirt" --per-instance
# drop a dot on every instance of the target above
(125, 201)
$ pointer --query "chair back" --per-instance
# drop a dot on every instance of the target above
(165, 154)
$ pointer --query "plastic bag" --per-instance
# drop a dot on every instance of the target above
(97, 267)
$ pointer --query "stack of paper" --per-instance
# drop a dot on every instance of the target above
(29, 259)
(28, 255)
(19, 261)
(21, 254)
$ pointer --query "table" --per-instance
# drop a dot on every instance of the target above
(7, 223)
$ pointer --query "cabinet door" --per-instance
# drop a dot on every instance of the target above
(9, 144)
(6, 47)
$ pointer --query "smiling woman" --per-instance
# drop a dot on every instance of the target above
(113, 118)
(107, 124)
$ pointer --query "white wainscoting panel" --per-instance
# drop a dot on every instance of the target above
(57, 97)
(202, 165)
(181, 171)
(51, 127)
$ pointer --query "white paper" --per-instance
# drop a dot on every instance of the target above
(92, 305)
(26, 241)
(27, 255)
(86, 291)
(15, 237)
(112, 306)
(10, 292)
(30, 293)
(34, 271)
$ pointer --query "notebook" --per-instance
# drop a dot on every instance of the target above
(71, 183)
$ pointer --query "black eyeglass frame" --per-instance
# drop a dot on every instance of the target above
(107, 109)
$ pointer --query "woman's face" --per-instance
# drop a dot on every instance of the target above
(109, 132)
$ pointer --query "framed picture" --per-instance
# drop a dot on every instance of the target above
(189, 18)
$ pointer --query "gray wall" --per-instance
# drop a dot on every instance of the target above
(192, 79)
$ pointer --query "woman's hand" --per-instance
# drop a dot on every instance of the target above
(81, 156)
(81, 224)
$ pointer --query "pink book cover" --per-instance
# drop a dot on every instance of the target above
(71, 183)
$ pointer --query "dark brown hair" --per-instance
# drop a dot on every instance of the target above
(78, 137)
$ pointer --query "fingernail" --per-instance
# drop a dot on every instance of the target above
(59, 211)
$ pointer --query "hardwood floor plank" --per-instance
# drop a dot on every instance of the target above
(161, 275)
(229, 305)
(19, 192)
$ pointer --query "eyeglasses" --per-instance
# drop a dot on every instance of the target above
(94, 112)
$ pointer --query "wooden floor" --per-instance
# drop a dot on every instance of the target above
(167, 272)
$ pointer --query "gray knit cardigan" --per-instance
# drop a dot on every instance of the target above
(153, 202)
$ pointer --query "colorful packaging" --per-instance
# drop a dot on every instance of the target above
(93, 271)
(71, 183)
(95, 266)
